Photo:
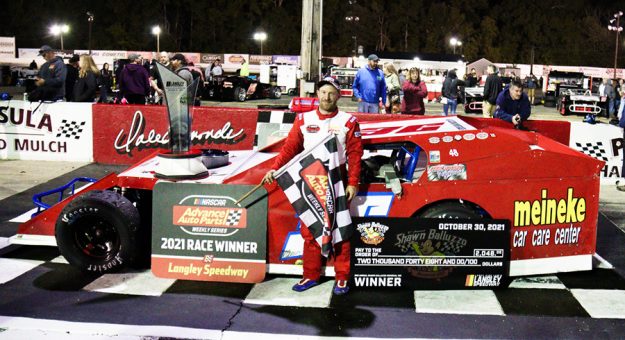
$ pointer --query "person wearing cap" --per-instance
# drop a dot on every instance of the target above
(369, 86)
(50, 80)
(134, 81)
(179, 66)
(72, 77)
(307, 131)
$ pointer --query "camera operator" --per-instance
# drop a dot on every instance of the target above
(513, 105)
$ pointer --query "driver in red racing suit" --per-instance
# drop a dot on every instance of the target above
(308, 129)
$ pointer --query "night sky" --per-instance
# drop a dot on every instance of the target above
(557, 32)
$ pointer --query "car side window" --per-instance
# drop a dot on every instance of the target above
(382, 162)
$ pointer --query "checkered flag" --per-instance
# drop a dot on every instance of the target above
(312, 183)
(70, 129)
(594, 150)
(234, 216)
(450, 248)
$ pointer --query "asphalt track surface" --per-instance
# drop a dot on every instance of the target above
(47, 298)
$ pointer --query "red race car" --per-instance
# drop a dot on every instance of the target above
(431, 167)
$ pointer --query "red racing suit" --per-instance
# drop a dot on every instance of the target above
(308, 129)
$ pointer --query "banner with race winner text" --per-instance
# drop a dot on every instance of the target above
(199, 233)
(419, 253)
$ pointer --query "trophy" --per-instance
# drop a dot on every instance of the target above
(179, 163)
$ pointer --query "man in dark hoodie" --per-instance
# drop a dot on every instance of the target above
(50, 80)
(134, 81)
(513, 105)
(450, 92)
(492, 87)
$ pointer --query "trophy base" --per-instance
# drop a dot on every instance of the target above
(180, 166)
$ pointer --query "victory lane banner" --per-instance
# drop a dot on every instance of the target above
(199, 233)
(418, 253)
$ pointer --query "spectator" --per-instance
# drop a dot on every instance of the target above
(393, 86)
(163, 58)
(369, 86)
(179, 65)
(217, 70)
(492, 87)
(50, 80)
(621, 118)
(33, 65)
(532, 83)
(472, 78)
(513, 106)
(134, 81)
(621, 92)
(87, 83)
(414, 93)
(106, 81)
(325, 120)
(611, 96)
(450, 92)
(72, 77)
(245, 69)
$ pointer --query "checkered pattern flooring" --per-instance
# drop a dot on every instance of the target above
(598, 294)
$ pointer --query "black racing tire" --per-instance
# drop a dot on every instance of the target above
(451, 210)
(97, 232)
(239, 94)
(276, 93)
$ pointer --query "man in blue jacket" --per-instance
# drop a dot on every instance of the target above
(51, 77)
(513, 105)
(369, 86)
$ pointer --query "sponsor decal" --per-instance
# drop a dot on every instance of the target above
(567, 211)
(458, 137)
(314, 177)
(372, 232)
(448, 139)
(447, 172)
(548, 211)
(357, 134)
(434, 140)
(468, 136)
(481, 135)
(312, 128)
(483, 280)
(209, 217)
(137, 138)
(435, 156)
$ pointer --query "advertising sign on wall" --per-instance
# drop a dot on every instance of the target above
(124, 134)
(286, 59)
(209, 58)
(430, 253)
(57, 131)
(260, 59)
(7, 47)
(200, 233)
(603, 142)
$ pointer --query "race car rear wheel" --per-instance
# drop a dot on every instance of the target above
(276, 93)
(97, 232)
(239, 94)
(455, 209)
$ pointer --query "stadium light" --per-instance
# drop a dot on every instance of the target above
(615, 25)
(260, 36)
(156, 30)
(59, 30)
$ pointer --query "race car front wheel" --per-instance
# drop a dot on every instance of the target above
(452, 210)
(97, 232)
